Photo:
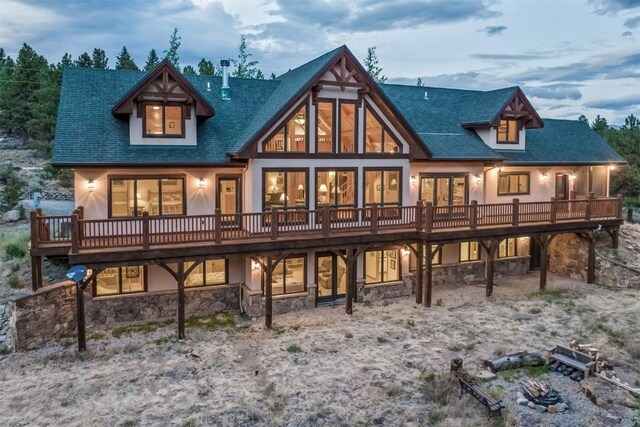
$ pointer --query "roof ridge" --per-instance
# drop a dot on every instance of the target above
(430, 87)
(317, 58)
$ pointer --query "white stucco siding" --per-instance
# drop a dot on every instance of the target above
(490, 137)
(190, 132)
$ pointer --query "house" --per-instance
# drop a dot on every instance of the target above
(201, 193)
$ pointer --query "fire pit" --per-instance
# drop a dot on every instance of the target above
(541, 397)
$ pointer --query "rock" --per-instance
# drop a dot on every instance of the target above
(11, 216)
(531, 405)
(561, 407)
(521, 400)
(541, 408)
(551, 409)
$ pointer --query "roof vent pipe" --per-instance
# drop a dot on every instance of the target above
(225, 91)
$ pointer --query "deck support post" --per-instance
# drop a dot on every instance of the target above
(80, 320)
(268, 283)
(543, 239)
(180, 278)
(591, 261)
(429, 274)
(349, 294)
(36, 272)
(614, 234)
(420, 271)
(491, 251)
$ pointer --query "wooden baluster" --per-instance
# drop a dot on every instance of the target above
(35, 229)
(374, 219)
(274, 223)
(515, 211)
(75, 234)
(587, 213)
(473, 215)
(326, 221)
(554, 210)
(145, 230)
(217, 226)
(419, 216)
(428, 217)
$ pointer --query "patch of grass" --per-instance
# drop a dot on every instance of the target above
(147, 328)
(294, 348)
(439, 302)
(269, 390)
(348, 335)
(15, 282)
(224, 320)
(189, 423)
(95, 336)
(129, 423)
(386, 303)
(551, 296)
(497, 392)
(434, 417)
(428, 377)
(535, 310)
(406, 346)
(294, 327)
(367, 304)
(383, 340)
(14, 251)
(166, 340)
(277, 329)
(510, 375)
(131, 348)
(4, 350)
(537, 371)
(439, 389)
(553, 333)
(411, 323)
(394, 389)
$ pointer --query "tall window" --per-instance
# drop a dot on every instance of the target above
(377, 138)
(158, 196)
(325, 131)
(292, 136)
(336, 188)
(508, 132)
(513, 183)
(210, 272)
(289, 276)
(382, 187)
(348, 127)
(163, 120)
(120, 280)
(382, 266)
(285, 189)
(444, 190)
(469, 251)
(436, 260)
(508, 248)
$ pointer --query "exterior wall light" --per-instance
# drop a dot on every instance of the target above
(201, 182)
(545, 176)
(91, 185)
(612, 167)
(255, 265)
(406, 251)
(572, 177)
(477, 179)
(414, 180)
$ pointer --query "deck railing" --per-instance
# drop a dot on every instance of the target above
(147, 231)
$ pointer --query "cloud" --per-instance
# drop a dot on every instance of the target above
(556, 91)
(494, 30)
(611, 66)
(609, 7)
(632, 22)
(616, 104)
(471, 80)
(627, 34)
(509, 57)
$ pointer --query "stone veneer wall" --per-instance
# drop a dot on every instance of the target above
(253, 303)
(43, 316)
(568, 256)
(469, 272)
(384, 290)
(51, 312)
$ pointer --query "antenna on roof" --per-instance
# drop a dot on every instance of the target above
(426, 95)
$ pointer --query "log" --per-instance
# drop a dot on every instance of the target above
(516, 360)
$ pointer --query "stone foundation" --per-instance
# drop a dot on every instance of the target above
(50, 313)
(474, 271)
(568, 256)
(384, 290)
(253, 303)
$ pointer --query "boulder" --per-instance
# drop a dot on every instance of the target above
(521, 400)
(11, 216)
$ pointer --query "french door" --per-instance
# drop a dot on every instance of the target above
(331, 277)
(229, 199)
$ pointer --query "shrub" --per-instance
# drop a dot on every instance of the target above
(12, 192)
(65, 177)
(15, 282)
(13, 250)
(294, 348)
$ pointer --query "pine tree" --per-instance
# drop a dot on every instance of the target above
(583, 119)
(273, 76)
(419, 82)
(188, 69)
(99, 59)
(632, 123)
(7, 86)
(206, 68)
(600, 125)
(244, 68)
(124, 61)
(3, 56)
(152, 60)
(371, 65)
(172, 53)
(84, 61)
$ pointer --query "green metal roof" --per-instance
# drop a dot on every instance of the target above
(88, 133)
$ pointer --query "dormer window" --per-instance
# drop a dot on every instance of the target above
(508, 131)
(163, 120)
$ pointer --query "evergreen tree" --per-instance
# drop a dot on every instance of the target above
(600, 125)
(124, 61)
(172, 53)
(419, 82)
(371, 65)
(188, 69)
(206, 68)
(244, 67)
(99, 58)
(7, 86)
(44, 109)
(84, 61)
(273, 76)
(583, 119)
(632, 123)
(3, 56)
(152, 60)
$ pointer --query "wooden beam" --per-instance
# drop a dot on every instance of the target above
(80, 318)
(268, 307)
(36, 272)
(591, 260)
(429, 274)
(348, 303)
(543, 239)
(181, 276)
(490, 262)
(419, 271)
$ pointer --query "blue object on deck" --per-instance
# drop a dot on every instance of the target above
(77, 273)
(37, 198)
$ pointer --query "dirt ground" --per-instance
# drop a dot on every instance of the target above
(387, 364)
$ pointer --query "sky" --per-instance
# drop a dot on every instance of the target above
(570, 57)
